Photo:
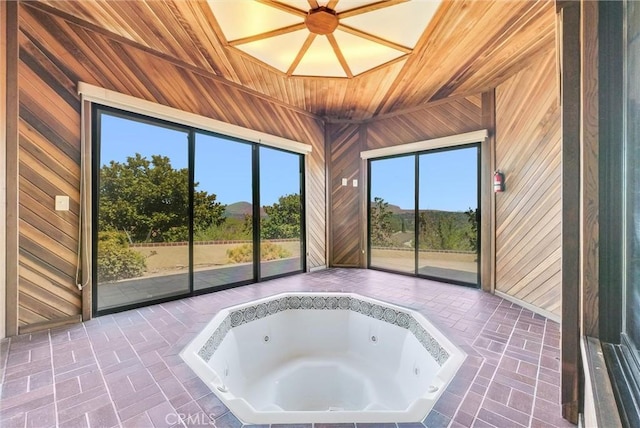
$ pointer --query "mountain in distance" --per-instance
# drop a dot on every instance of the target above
(240, 210)
(396, 209)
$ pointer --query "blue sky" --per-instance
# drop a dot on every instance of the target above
(447, 180)
(223, 167)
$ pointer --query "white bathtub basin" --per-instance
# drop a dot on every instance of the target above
(323, 357)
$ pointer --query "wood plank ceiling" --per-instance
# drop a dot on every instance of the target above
(470, 46)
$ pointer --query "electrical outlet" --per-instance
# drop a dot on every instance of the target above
(355, 183)
(62, 203)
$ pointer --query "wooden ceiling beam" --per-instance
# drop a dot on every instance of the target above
(374, 38)
(283, 7)
(268, 34)
(303, 50)
(369, 8)
(341, 58)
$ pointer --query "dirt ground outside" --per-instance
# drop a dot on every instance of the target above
(405, 260)
(175, 259)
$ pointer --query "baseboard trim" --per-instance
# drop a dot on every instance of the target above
(45, 325)
(547, 314)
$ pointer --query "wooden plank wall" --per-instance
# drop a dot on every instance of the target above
(528, 213)
(56, 54)
(433, 121)
(346, 141)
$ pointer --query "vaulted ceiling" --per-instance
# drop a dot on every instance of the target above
(469, 46)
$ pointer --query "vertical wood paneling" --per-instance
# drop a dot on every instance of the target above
(528, 213)
(56, 54)
(3, 163)
(487, 196)
(569, 19)
(590, 171)
(11, 167)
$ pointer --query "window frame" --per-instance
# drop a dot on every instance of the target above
(97, 109)
(454, 143)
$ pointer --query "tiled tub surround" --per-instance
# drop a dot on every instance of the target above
(124, 369)
(323, 358)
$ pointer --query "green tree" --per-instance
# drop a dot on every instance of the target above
(149, 200)
(428, 230)
(282, 219)
(231, 229)
(472, 233)
(443, 230)
(381, 227)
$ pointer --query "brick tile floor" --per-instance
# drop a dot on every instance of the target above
(123, 370)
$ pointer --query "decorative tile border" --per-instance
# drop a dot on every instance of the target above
(309, 302)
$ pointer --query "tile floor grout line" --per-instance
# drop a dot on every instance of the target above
(484, 360)
(4, 367)
(368, 283)
(535, 389)
(484, 397)
(53, 381)
(145, 368)
(165, 310)
(104, 380)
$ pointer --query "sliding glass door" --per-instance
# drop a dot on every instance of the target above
(448, 220)
(179, 211)
(392, 214)
(423, 214)
(281, 216)
(223, 243)
(141, 250)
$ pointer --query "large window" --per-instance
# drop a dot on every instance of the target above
(392, 214)
(448, 220)
(142, 204)
(281, 219)
(223, 247)
(423, 214)
(179, 211)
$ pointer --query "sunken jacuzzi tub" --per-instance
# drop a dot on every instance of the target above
(323, 357)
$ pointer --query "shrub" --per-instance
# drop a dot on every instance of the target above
(176, 234)
(268, 251)
(116, 260)
(229, 230)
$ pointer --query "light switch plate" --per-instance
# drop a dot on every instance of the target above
(345, 182)
(355, 183)
(62, 203)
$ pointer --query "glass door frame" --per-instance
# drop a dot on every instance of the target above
(97, 110)
(416, 155)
